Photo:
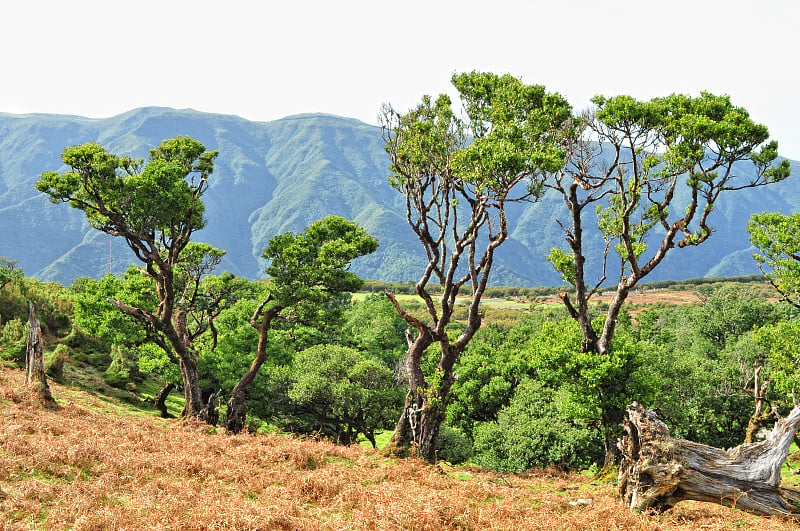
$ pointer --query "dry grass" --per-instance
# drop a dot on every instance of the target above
(87, 466)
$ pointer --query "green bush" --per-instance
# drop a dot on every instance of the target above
(14, 352)
(123, 368)
(453, 445)
(54, 362)
(13, 331)
(533, 433)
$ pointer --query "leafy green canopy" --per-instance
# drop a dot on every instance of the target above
(514, 129)
(777, 239)
(345, 391)
(307, 270)
(120, 196)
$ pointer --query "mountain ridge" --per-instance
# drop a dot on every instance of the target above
(271, 177)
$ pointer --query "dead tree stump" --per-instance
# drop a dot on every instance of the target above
(34, 358)
(657, 471)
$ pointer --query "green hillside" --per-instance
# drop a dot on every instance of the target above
(282, 175)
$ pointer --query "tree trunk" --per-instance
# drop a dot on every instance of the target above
(161, 400)
(34, 358)
(210, 413)
(658, 471)
(760, 417)
(191, 386)
(417, 431)
(237, 412)
(237, 407)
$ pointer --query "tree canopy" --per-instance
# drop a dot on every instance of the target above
(776, 237)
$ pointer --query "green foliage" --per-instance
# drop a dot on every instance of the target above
(594, 383)
(730, 312)
(95, 315)
(344, 391)
(308, 271)
(13, 338)
(223, 366)
(13, 330)
(699, 138)
(534, 431)
(781, 343)
(453, 445)
(152, 360)
(489, 370)
(564, 263)
(123, 369)
(373, 326)
(9, 272)
(54, 362)
(777, 239)
(120, 196)
(696, 383)
(512, 127)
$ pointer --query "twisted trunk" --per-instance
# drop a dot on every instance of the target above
(237, 405)
(161, 400)
(658, 471)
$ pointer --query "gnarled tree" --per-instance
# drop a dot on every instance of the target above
(651, 173)
(457, 176)
(155, 207)
(306, 273)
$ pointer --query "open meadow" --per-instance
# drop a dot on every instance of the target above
(92, 463)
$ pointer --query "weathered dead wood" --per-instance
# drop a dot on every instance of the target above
(657, 471)
(34, 357)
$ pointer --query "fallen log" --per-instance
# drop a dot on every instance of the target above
(657, 471)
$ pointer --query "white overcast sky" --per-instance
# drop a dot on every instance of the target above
(264, 60)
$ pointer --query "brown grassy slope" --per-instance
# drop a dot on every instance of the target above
(87, 466)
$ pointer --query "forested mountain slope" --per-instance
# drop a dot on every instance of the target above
(276, 176)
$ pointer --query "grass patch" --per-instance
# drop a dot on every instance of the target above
(382, 438)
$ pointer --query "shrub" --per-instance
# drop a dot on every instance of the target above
(453, 445)
(13, 331)
(122, 370)
(54, 362)
(532, 433)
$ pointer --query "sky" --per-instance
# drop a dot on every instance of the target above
(265, 60)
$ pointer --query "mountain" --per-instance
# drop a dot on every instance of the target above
(271, 177)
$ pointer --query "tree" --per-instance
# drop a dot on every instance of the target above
(345, 392)
(156, 207)
(9, 272)
(652, 173)
(777, 238)
(307, 272)
(97, 313)
(457, 176)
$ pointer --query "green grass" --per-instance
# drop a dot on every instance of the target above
(381, 439)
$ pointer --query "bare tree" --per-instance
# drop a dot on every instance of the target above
(34, 358)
